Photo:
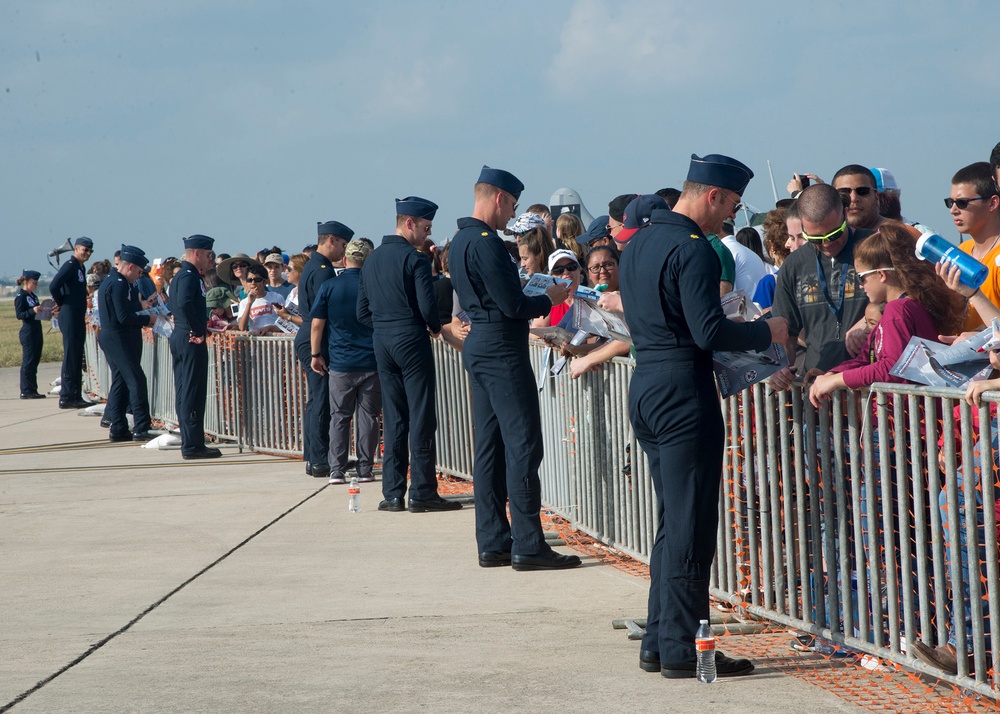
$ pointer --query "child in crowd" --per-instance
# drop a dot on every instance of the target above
(873, 315)
(916, 303)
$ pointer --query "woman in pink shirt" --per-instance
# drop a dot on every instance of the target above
(917, 303)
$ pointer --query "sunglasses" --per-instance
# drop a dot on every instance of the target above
(866, 273)
(962, 203)
(560, 269)
(737, 204)
(241, 265)
(860, 190)
(255, 280)
(606, 267)
(832, 235)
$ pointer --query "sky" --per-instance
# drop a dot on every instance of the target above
(251, 120)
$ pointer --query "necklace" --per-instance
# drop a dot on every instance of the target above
(992, 246)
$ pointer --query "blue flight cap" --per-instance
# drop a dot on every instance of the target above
(136, 256)
(84, 241)
(199, 241)
(503, 180)
(598, 229)
(30, 274)
(416, 207)
(334, 228)
(720, 171)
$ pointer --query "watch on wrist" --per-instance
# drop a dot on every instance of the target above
(316, 355)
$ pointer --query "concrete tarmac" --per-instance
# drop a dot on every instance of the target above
(134, 581)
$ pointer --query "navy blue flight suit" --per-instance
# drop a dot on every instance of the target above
(121, 339)
(187, 303)
(69, 289)
(670, 294)
(396, 298)
(316, 421)
(31, 340)
(504, 394)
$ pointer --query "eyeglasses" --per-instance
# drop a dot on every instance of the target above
(962, 203)
(832, 235)
(860, 190)
(606, 267)
(737, 204)
(255, 280)
(567, 268)
(863, 275)
(88, 250)
(241, 265)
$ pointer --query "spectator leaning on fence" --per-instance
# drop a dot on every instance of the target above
(818, 291)
(602, 265)
(975, 210)
(257, 309)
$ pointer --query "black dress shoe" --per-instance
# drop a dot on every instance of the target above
(436, 504)
(309, 469)
(649, 661)
(492, 559)
(74, 404)
(724, 667)
(544, 561)
(33, 395)
(143, 436)
(105, 424)
(319, 470)
(392, 504)
(206, 452)
(127, 436)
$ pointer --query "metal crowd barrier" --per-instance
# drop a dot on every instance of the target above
(839, 521)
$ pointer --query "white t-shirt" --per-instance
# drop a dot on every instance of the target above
(749, 267)
(262, 311)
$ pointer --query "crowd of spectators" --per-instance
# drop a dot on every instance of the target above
(834, 259)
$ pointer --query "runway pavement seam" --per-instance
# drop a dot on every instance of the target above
(131, 623)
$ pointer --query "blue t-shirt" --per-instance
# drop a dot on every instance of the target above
(350, 342)
(764, 295)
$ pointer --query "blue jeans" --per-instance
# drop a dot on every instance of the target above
(963, 545)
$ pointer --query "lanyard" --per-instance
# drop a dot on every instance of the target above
(838, 311)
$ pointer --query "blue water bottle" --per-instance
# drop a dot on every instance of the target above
(932, 247)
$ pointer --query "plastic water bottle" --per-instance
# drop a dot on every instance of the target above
(704, 643)
(354, 496)
(932, 247)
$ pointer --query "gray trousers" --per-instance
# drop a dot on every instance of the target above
(350, 391)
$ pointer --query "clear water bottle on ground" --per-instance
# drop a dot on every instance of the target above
(704, 643)
(354, 496)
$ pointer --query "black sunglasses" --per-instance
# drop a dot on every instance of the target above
(860, 190)
(962, 203)
(560, 269)
(241, 265)
(255, 280)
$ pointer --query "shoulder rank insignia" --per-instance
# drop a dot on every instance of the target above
(485, 233)
(695, 236)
